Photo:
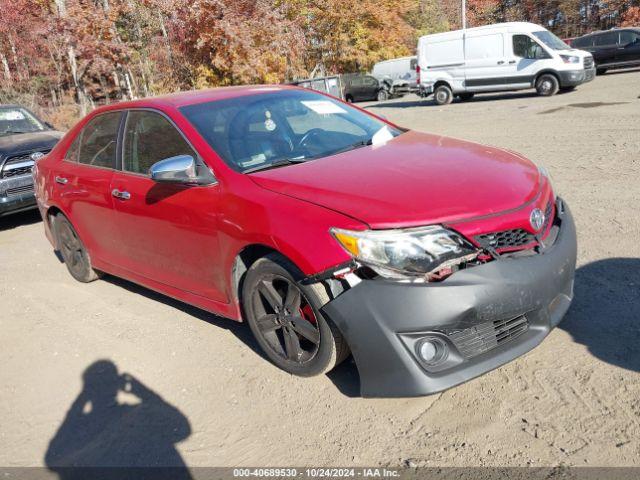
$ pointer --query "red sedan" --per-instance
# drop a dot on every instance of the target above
(329, 230)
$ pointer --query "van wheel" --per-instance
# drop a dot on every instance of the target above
(601, 71)
(465, 97)
(443, 95)
(73, 251)
(285, 319)
(547, 85)
(383, 95)
(349, 99)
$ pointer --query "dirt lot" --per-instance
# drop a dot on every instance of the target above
(574, 400)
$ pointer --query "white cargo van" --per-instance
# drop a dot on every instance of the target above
(402, 71)
(505, 56)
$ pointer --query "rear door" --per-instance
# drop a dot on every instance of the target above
(486, 64)
(82, 181)
(606, 48)
(167, 232)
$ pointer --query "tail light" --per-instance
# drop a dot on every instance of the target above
(418, 74)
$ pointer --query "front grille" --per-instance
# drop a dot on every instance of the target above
(13, 192)
(481, 338)
(510, 239)
(19, 165)
(588, 63)
(506, 239)
(15, 172)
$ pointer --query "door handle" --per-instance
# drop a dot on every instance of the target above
(501, 62)
(121, 195)
(512, 62)
(62, 180)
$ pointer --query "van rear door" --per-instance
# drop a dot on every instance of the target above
(486, 61)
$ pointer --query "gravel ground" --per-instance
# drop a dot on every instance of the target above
(205, 397)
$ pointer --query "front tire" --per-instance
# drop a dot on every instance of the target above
(443, 95)
(382, 96)
(601, 71)
(285, 319)
(547, 85)
(73, 251)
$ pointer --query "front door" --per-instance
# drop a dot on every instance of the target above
(167, 231)
(527, 58)
(628, 48)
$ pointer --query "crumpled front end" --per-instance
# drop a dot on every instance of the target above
(473, 321)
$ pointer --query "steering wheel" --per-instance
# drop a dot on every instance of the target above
(310, 134)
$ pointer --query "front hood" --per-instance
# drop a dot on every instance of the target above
(414, 179)
(575, 52)
(26, 142)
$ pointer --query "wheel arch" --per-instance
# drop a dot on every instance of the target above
(243, 261)
(545, 72)
(440, 83)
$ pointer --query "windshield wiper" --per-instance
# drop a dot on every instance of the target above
(278, 163)
(353, 146)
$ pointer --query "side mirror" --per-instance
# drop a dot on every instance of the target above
(178, 169)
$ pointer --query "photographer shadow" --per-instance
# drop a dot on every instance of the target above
(115, 425)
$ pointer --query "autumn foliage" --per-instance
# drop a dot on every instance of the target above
(88, 52)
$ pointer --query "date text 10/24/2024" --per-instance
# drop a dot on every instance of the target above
(316, 472)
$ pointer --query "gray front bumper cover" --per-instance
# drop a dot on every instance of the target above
(374, 313)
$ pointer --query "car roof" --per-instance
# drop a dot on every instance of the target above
(181, 99)
(613, 30)
(503, 27)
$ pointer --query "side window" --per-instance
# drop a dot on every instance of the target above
(149, 138)
(74, 149)
(99, 139)
(413, 64)
(525, 47)
(628, 38)
(607, 39)
(370, 82)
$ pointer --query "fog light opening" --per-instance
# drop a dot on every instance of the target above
(432, 350)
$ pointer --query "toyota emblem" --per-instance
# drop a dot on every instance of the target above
(537, 219)
(35, 156)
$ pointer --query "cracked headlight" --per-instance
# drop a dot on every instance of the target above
(415, 252)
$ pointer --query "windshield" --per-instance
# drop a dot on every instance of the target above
(18, 120)
(277, 128)
(551, 41)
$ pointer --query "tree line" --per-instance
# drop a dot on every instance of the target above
(88, 52)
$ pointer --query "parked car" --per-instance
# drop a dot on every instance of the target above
(619, 48)
(23, 140)
(360, 88)
(401, 71)
(501, 57)
(324, 227)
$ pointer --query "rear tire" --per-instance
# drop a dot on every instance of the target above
(285, 319)
(443, 95)
(547, 85)
(465, 97)
(349, 99)
(73, 251)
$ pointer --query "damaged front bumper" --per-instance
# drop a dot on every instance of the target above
(486, 316)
